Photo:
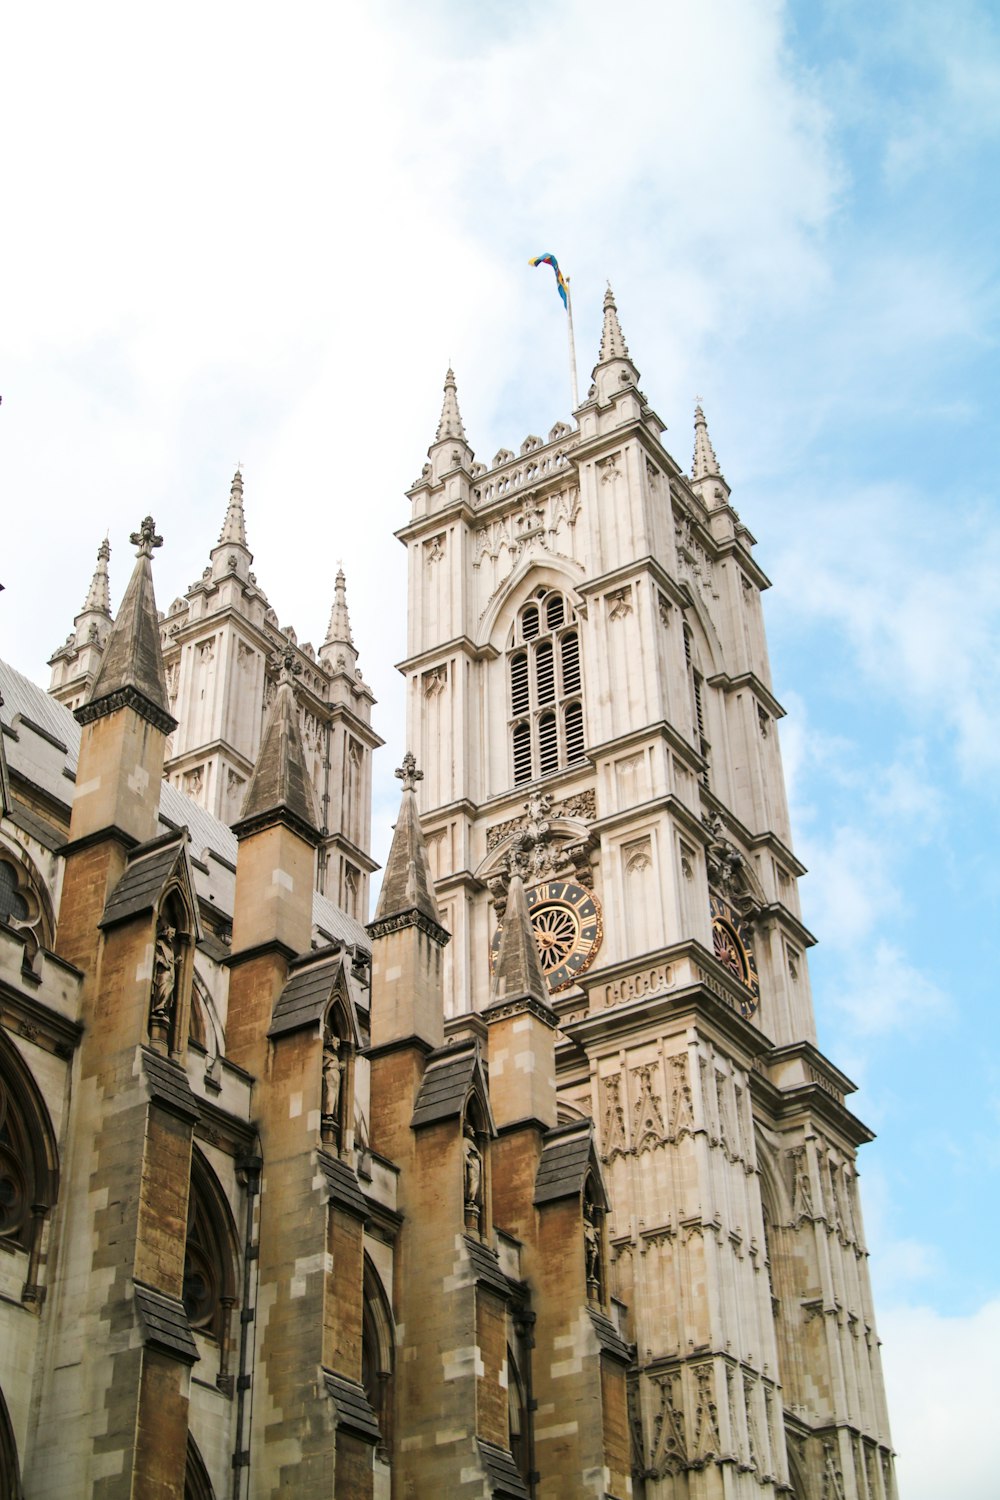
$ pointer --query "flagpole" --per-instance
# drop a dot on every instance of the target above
(572, 345)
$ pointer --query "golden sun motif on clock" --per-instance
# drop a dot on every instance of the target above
(568, 930)
(732, 944)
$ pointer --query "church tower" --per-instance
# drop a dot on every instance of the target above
(590, 698)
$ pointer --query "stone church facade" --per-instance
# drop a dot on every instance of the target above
(534, 1185)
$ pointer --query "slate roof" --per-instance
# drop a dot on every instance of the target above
(447, 1080)
(148, 869)
(486, 1265)
(337, 925)
(342, 1184)
(565, 1160)
(608, 1337)
(502, 1472)
(352, 1406)
(168, 1084)
(164, 1323)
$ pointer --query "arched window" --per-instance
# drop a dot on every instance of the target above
(377, 1345)
(517, 1415)
(24, 905)
(197, 1485)
(697, 681)
(210, 1261)
(10, 1480)
(29, 1173)
(545, 679)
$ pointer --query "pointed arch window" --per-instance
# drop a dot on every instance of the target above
(210, 1263)
(29, 1169)
(545, 683)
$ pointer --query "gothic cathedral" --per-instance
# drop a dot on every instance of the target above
(534, 1186)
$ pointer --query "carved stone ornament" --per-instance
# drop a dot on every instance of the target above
(668, 1450)
(612, 1118)
(537, 851)
(163, 993)
(647, 1112)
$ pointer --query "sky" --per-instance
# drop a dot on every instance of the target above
(259, 235)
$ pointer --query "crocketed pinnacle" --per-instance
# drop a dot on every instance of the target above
(234, 527)
(705, 464)
(280, 782)
(518, 973)
(613, 345)
(98, 600)
(339, 629)
(132, 660)
(407, 884)
(450, 425)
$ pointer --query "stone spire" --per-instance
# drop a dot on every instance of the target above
(706, 476)
(407, 885)
(450, 425)
(614, 371)
(705, 465)
(234, 527)
(98, 600)
(338, 650)
(613, 345)
(280, 790)
(231, 556)
(131, 670)
(518, 973)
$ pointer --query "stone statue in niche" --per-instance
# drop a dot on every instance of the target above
(163, 998)
(592, 1248)
(333, 1086)
(472, 1162)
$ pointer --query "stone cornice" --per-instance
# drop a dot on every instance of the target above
(460, 509)
(126, 697)
(274, 817)
(521, 1005)
(459, 644)
(24, 1016)
(260, 950)
(659, 728)
(737, 549)
(400, 921)
(669, 802)
(753, 682)
(342, 843)
(645, 564)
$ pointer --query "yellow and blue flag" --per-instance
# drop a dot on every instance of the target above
(550, 260)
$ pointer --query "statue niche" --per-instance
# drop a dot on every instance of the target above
(166, 991)
(335, 1086)
(473, 1169)
(593, 1244)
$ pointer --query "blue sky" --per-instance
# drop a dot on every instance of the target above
(245, 236)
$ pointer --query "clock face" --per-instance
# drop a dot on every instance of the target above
(567, 925)
(731, 940)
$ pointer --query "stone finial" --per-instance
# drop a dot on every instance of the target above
(408, 774)
(145, 539)
(234, 529)
(613, 345)
(339, 629)
(98, 600)
(450, 425)
(705, 465)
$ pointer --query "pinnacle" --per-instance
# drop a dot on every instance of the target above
(705, 465)
(280, 780)
(450, 425)
(132, 661)
(613, 345)
(339, 629)
(407, 884)
(234, 528)
(518, 971)
(98, 600)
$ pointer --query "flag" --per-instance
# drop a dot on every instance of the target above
(550, 260)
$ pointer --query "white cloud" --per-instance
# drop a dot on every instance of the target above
(942, 1376)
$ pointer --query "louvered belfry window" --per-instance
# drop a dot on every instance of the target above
(545, 684)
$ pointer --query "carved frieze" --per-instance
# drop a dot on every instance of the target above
(648, 1129)
(668, 1448)
(613, 1134)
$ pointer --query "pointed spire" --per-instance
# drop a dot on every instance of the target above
(234, 528)
(518, 973)
(280, 784)
(705, 465)
(407, 885)
(131, 671)
(450, 425)
(613, 345)
(339, 629)
(98, 600)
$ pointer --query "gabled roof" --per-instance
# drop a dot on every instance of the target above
(342, 1184)
(502, 1473)
(352, 1406)
(308, 992)
(149, 868)
(568, 1155)
(449, 1077)
(164, 1323)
